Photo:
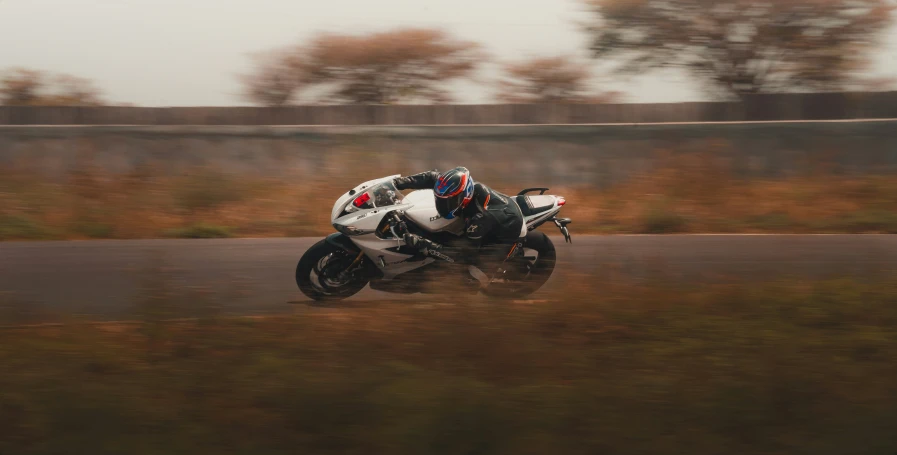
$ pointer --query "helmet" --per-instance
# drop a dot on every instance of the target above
(454, 190)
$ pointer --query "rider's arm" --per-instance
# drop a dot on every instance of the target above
(476, 234)
(478, 229)
(475, 238)
(422, 181)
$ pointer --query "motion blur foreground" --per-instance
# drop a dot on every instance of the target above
(731, 287)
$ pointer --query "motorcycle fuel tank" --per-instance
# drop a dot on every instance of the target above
(424, 213)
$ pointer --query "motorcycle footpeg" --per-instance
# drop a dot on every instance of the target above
(436, 254)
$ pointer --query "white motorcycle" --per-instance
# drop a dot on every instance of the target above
(367, 248)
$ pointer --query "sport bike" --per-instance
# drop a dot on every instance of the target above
(367, 249)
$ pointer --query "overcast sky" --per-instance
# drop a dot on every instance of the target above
(188, 52)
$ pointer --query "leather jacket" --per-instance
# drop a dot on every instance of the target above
(491, 217)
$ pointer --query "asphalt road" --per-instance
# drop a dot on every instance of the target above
(110, 277)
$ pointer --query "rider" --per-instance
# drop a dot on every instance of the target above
(489, 216)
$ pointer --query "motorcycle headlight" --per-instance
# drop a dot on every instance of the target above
(349, 230)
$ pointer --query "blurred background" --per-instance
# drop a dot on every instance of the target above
(729, 166)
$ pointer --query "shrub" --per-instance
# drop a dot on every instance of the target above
(201, 231)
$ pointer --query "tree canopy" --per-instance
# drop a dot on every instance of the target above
(742, 47)
(27, 87)
(404, 65)
(557, 79)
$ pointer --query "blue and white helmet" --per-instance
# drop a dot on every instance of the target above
(454, 190)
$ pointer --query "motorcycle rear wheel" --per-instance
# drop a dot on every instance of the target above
(538, 273)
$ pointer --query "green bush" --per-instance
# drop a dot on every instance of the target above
(207, 190)
(868, 221)
(14, 227)
(201, 231)
(94, 230)
(658, 218)
(773, 222)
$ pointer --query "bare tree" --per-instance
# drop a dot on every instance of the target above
(742, 47)
(21, 87)
(549, 80)
(404, 65)
(73, 91)
(26, 87)
(275, 80)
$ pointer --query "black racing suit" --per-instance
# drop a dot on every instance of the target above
(493, 224)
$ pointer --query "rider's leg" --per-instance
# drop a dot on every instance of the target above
(501, 260)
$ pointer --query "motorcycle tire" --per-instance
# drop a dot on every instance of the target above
(539, 274)
(327, 259)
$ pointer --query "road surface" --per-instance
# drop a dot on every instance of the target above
(109, 277)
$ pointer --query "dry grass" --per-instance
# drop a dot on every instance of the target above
(689, 193)
(610, 367)
(205, 203)
(695, 193)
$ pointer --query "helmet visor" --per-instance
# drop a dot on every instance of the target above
(446, 206)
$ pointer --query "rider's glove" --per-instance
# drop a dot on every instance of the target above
(425, 246)
(416, 241)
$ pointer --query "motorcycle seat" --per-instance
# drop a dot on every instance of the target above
(534, 205)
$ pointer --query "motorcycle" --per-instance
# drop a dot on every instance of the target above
(367, 249)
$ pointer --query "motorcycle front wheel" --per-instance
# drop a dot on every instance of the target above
(323, 273)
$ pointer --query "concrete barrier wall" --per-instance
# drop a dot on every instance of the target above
(511, 156)
(817, 106)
